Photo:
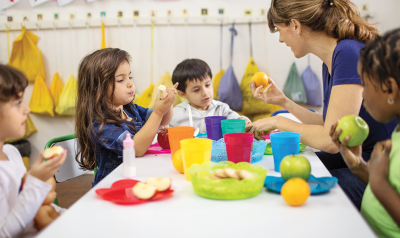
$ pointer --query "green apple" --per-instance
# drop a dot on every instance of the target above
(355, 127)
(295, 166)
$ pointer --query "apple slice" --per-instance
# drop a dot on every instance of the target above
(144, 191)
(161, 184)
(52, 152)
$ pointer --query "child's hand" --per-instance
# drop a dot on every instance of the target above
(162, 128)
(247, 121)
(45, 170)
(379, 163)
(351, 155)
(161, 107)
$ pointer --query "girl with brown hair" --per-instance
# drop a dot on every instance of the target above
(334, 31)
(105, 113)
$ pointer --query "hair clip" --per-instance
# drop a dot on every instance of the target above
(330, 2)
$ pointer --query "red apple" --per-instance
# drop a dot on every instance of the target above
(162, 184)
(52, 152)
(144, 191)
(163, 140)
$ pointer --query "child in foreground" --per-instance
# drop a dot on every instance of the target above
(195, 84)
(19, 205)
(379, 70)
(105, 113)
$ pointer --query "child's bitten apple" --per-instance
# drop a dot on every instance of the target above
(355, 127)
(163, 140)
(52, 152)
(144, 191)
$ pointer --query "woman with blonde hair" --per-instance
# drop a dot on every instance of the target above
(334, 31)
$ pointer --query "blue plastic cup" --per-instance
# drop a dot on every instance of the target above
(283, 144)
(213, 126)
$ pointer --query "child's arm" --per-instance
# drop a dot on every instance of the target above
(45, 215)
(352, 156)
(145, 136)
(168, 116)
(378, 180)
(31, 197)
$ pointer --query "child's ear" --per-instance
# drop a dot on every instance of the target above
(182, 94)
(392, 88)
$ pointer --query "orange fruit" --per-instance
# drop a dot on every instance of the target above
(261, 79)
(177, 161)
(295, 191)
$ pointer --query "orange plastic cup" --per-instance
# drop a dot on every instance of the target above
(176, 134)
(195, 151)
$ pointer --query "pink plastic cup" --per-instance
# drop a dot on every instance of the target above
(238, 147)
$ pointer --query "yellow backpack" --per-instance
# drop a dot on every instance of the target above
(56, 89)
(66, 104)
(41, 101)
(26, 57)
(217, 79)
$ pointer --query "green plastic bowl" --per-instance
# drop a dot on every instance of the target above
(226, 189)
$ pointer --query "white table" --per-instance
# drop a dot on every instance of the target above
(188, 215)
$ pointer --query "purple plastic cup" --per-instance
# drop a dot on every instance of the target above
(213, 125)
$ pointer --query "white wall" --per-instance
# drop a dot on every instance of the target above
(62, 49)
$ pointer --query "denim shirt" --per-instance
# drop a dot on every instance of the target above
(109, 143)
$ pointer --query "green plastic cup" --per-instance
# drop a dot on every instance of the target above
(232, 126)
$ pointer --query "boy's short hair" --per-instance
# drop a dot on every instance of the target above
(190, 70)
(12, 83)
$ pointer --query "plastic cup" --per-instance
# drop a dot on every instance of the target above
(176, 134)
(195, 151)
(283, 144)
(238, 147)
(213, 125)
(232, 126)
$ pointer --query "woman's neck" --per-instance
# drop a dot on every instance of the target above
(322, 45)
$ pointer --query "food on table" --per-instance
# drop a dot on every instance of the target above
(163, 140)
(162, 184)
(295, 191)
(260, 79)
(162, 91)
(52, 152)
(231, 173)
(196, 132)
(144, 191)
(355, 127)
(177, 161)
(293, 166)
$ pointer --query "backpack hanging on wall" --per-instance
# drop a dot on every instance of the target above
(229, 90)
(56, 89)
(312, 85)
(41, 101)
(26, 56)
(67, 101)
(294, 88)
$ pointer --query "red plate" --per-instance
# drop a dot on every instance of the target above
(119, 190)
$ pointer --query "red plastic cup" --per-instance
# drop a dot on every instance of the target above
(238, 147)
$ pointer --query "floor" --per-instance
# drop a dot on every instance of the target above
(68, 192)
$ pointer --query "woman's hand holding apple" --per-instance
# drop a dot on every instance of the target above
(271, 95)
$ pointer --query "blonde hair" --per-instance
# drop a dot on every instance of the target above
(339, 19)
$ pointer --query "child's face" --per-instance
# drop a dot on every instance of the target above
(375, 100)
(124, 87)
(199, 93)
(13, 115)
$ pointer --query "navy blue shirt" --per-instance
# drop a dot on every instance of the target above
(109, 143)
(344, 71)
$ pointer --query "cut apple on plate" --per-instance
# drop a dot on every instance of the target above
(52, 152)
(144, 191)
(162, 184)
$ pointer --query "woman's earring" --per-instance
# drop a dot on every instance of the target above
(390, 101)
(298, 35)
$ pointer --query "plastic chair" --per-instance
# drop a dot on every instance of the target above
(70, 168)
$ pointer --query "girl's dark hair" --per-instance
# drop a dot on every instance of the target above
(190, 70)
(380, 58)
(12, 83)
(96, 84)
(339, 19)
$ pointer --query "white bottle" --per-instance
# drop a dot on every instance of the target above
(129, 157)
